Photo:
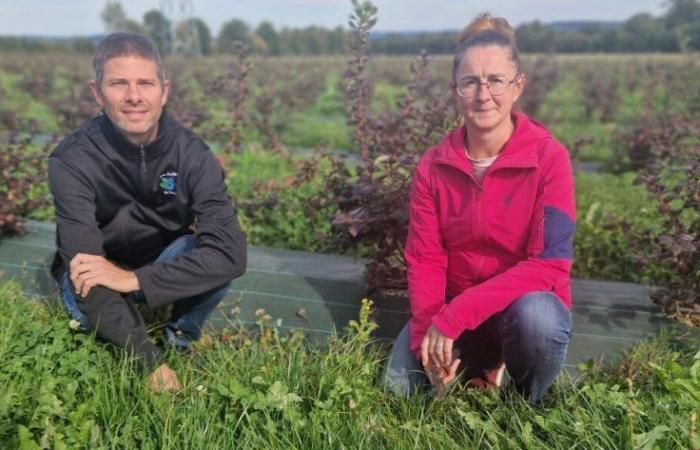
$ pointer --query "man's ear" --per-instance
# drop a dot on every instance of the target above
(97, 93)
(166, 92)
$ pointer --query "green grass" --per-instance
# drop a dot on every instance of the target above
(283, 216)
(310, 129)
(615, 219)
(262, 389)
(23, 107)
(323, 124)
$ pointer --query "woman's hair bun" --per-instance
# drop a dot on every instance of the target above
(487, 22)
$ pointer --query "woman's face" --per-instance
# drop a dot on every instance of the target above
(482, 110)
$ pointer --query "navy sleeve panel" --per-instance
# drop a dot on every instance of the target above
(559, 231)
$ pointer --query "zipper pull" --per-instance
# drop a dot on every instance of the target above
(480, 194)
(142, 151)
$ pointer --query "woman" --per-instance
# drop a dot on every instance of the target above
(489, 249)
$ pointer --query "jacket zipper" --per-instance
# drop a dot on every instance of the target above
(142, 177)
(480, 223)
(142, 152)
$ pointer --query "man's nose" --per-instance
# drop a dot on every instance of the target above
(133, 94)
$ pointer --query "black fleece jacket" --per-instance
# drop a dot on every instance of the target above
(127, 203)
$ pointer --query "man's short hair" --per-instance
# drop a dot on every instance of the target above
(125, 44)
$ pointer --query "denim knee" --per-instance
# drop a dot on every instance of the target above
(403, 374)
(180, 246)
(538, 315)
(536, 330)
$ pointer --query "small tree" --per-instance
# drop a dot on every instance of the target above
(115, 20)
(232, 32)
(158, 27)
(372, 204)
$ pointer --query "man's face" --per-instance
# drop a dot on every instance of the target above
(132, 96)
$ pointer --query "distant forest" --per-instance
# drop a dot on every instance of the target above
(676, 30)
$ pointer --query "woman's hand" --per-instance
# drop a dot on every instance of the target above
(437, 357)
(436, 347)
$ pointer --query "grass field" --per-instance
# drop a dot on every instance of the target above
(264, 389)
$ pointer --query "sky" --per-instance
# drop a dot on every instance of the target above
(82, 17)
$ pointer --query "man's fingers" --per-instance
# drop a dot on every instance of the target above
(86, 280)
(82, 269)
(78, 259)
(87, 286)
(82, 258)
(78, 266)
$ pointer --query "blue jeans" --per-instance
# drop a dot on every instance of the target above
(531, 336)
(188, 315)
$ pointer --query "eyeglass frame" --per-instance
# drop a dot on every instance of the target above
(488, 87)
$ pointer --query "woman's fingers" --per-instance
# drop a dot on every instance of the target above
(451, 372)
(442, 350)
(425, 351)
(446, 352)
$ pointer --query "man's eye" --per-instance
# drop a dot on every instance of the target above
(469, 84)
(497, 81)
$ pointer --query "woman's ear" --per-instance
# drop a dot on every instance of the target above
(519, 83)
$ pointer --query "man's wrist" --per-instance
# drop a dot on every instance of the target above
(133, 282)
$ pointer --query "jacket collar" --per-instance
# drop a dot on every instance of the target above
(131, 151)
(520, 151)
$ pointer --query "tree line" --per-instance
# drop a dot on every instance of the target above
(677, 29)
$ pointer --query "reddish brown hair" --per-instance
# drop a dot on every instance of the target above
(483, 31)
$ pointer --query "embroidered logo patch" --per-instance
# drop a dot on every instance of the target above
(168, 183)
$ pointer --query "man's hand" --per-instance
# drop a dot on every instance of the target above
(88, 271)
(164, 379)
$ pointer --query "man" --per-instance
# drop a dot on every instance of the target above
(129, 188)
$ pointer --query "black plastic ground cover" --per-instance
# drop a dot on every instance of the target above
(320, 293)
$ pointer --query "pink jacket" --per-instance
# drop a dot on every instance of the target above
(474, 248)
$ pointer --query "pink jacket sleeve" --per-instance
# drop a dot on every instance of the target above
(426, 258)
(550, 253)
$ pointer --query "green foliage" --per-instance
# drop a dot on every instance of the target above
(46, 373)
(287, 103)
(159, 30)
(262, 388)
(28, 112)
(274, 209)
(613, 214)
(309, 130)
(232, 32)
